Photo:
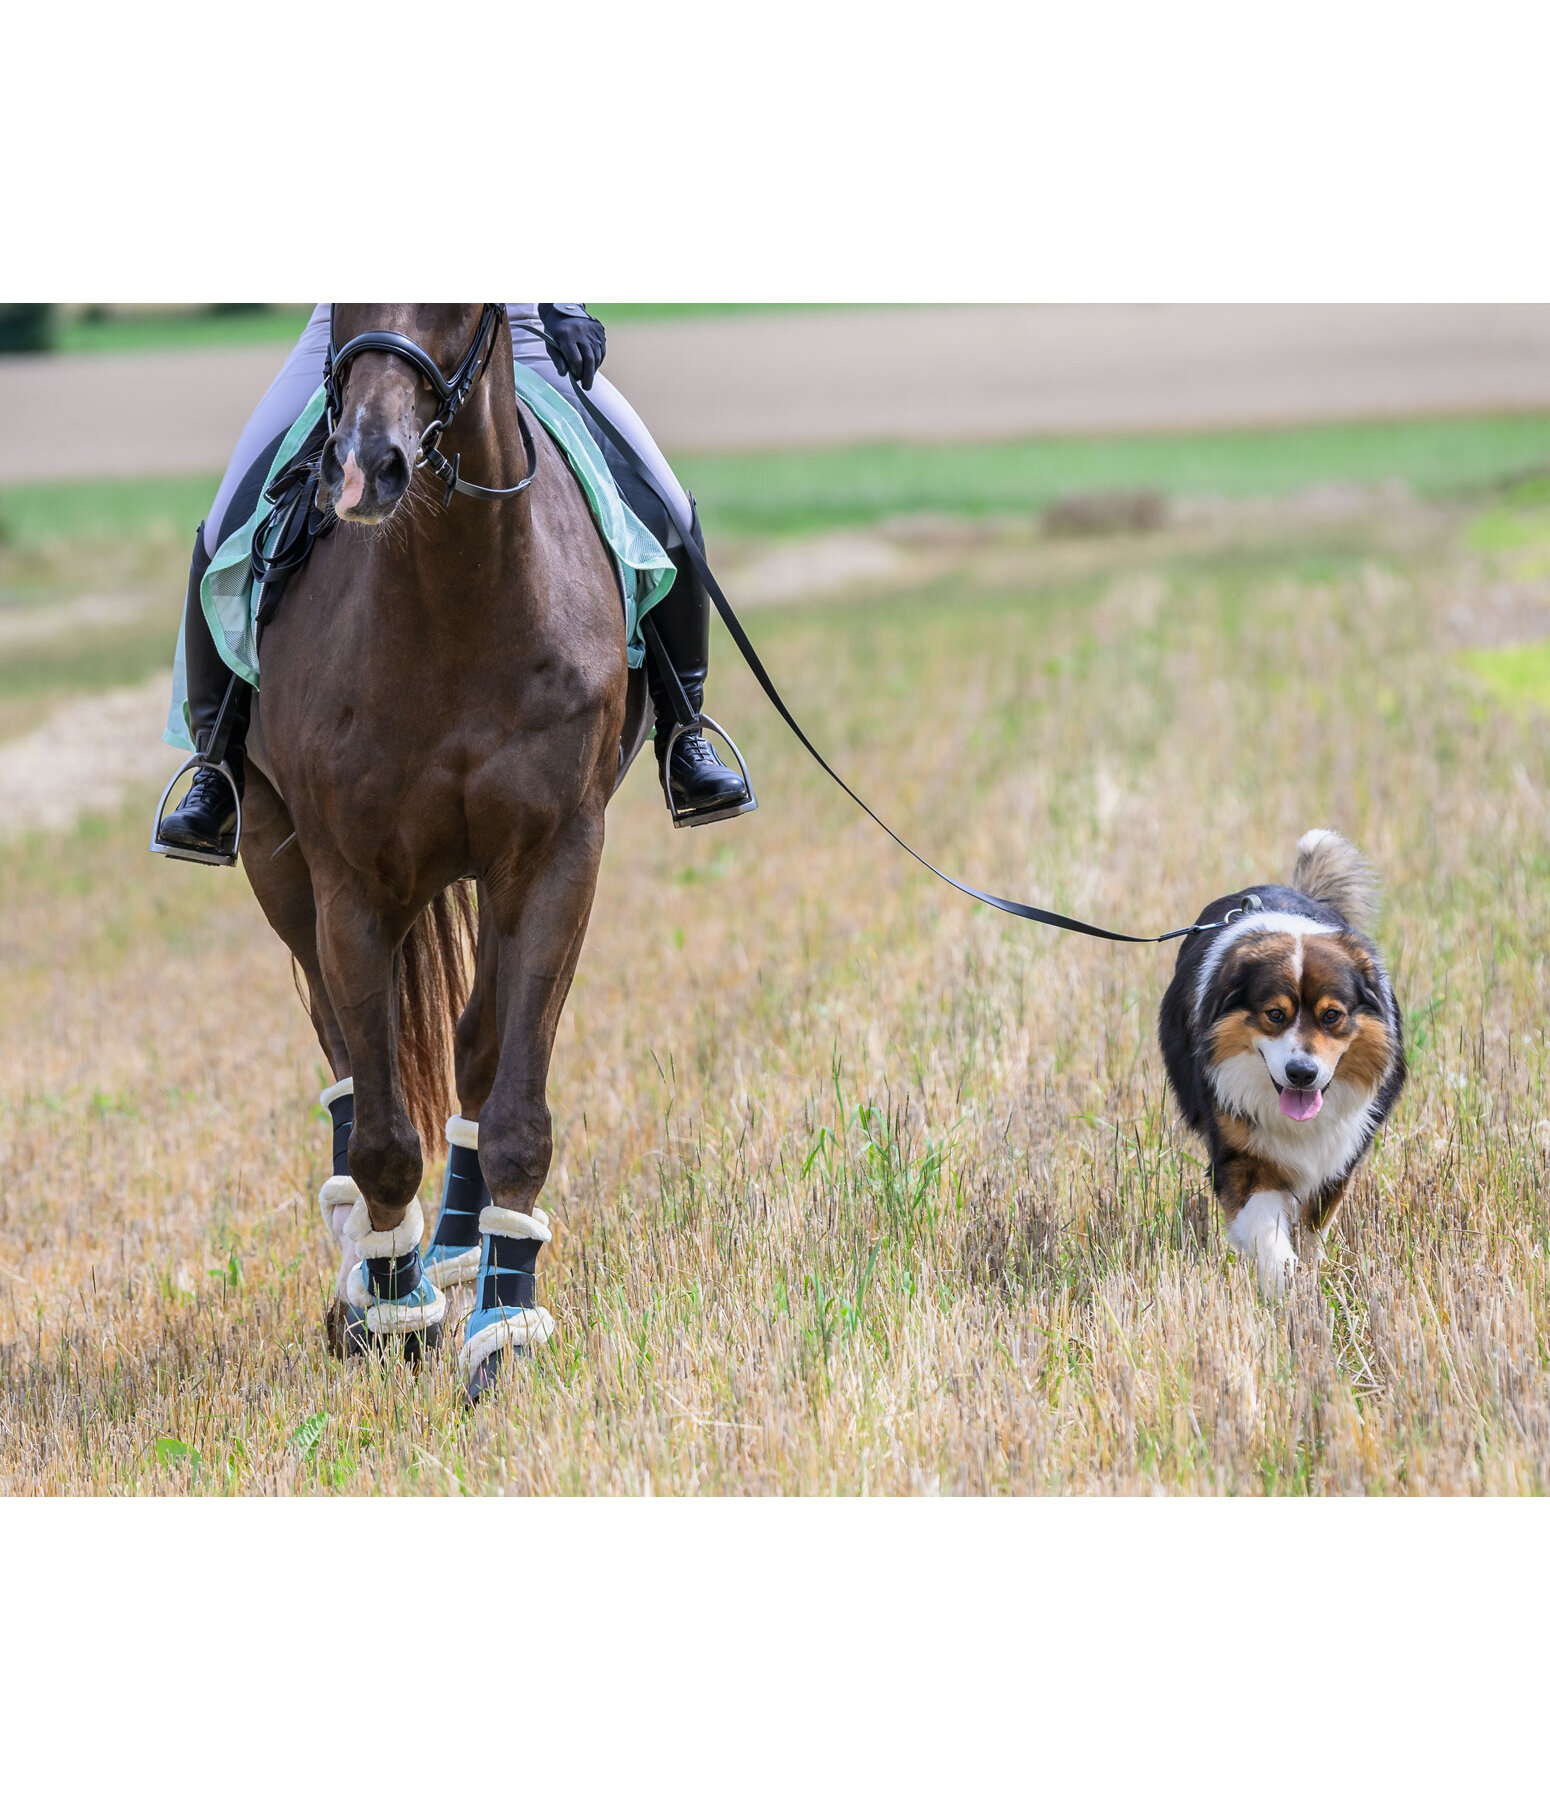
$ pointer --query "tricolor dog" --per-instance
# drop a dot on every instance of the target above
(1285, 1050)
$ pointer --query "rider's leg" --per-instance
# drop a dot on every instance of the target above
(699, 785)
(275, 414)
(207, 817)
(697, 782)
(218, 715)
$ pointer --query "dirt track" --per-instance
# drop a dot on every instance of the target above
(853, 374)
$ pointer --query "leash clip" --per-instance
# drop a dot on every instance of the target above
(1251, 904)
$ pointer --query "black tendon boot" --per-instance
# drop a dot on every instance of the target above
(453, 1256)
(218, 703)
(699, 786)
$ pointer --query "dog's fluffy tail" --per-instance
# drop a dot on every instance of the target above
(1336, 874)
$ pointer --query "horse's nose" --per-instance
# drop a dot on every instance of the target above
(365, 477)
(388, 475)
(1301, 1071)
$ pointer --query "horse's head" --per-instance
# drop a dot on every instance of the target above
(386, 401)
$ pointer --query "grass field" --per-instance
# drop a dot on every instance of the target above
(858, 1187)
(785, 492)
(97, 331)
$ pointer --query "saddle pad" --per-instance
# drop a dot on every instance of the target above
(230, 601)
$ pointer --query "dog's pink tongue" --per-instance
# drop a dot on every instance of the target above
(1301, 1103)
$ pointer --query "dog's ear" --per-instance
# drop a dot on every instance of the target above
(1369, 984)
(1227, 999)
(1368, 996)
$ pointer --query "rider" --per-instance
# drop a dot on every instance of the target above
(700, 788)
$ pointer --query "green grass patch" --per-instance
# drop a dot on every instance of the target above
(102, 511)
(150, 328)
(1518, 677)
(211, 328)
(89, 662)
(808, 490)
(651, 313)
(777, 492)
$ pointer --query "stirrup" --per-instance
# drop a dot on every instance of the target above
(708, 815)
(221, 859)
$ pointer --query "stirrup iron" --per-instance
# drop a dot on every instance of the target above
(221, 859)
(709, 815)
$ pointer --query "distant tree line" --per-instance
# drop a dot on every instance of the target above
(27, 328)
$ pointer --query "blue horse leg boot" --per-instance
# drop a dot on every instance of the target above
(398, 1298)
(336, 1201)
(454, 1253)
(505, 1316)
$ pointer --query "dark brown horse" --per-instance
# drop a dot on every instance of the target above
(445, 700)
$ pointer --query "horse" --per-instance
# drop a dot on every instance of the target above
(446, 709)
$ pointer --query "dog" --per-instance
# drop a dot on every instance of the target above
(1285, 1050)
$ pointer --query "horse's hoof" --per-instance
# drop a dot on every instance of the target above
(414, 1343)
(344, 1330)
(489, 1333)
(482, 1378)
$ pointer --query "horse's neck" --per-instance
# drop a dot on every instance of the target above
(484, 541)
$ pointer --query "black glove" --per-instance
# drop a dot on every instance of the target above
(580, 343)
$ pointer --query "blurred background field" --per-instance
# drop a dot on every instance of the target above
(857, 1187)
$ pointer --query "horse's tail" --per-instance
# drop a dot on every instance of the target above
(435, 971)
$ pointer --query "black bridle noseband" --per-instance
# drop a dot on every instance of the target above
(451, 390)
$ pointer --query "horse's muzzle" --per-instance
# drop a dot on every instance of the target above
(365, 475)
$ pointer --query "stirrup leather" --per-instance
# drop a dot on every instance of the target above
(709, 815)
(223, 859)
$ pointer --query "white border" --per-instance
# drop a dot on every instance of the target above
(871, 1647)
(821, 150)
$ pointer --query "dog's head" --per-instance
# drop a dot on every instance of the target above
(1290, 1013)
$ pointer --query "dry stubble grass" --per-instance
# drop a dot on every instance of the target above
(857, 1187)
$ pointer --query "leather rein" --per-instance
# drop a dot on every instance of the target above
(451, 390)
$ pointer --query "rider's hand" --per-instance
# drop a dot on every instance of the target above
(580, 343)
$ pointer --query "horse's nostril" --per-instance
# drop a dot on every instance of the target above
(393, 473)
(332, 468)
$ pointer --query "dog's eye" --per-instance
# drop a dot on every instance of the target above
(1276, 1015)
(1331, 1016)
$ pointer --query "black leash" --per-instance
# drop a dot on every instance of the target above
(454, 389)
(1038, 915)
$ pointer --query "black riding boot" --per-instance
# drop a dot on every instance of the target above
(218, 704)
(699, 786)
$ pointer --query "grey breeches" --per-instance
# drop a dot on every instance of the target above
(302, 375)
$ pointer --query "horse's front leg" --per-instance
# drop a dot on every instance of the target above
(453, 1256)
(388, 1294)
(541, 907)
(282, 882)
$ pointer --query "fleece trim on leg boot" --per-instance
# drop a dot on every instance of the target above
(337, 1200)
(389, 1283)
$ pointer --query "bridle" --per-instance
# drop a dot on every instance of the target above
(451, 390)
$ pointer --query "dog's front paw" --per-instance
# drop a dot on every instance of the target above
(1263, 1233)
